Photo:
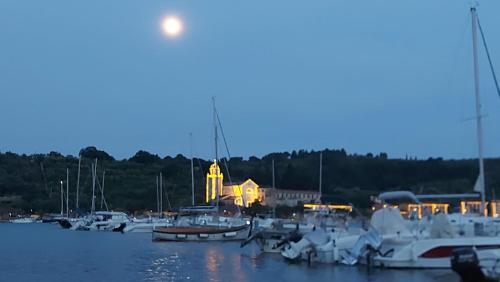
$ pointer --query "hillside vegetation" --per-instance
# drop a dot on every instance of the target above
(32, 182)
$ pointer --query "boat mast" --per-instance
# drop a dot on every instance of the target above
(274, 193)
(67, 192)
(157, 196)
(192, 167)
(161, 194)
(320, 174)
(62, 199)
(216, 153)
(78, 182)
(94, 176)
(102, 188)
(479, 125)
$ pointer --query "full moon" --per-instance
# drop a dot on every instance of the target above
(172, 26)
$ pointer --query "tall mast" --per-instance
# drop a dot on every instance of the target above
(192, 167)
(216, 152)
(479, 125)
(78, 182)
(320, 173)
(274, 193)
(62, 199)
(102, 188)
(94, 176)
(157, 196)
(67, 192)
(161, 194)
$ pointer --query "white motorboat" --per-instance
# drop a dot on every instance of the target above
(23, 220)
(320, 246)
(101, 221)
(474, 224)
(271, 235)
(400, 248)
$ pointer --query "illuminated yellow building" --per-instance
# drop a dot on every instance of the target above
(495, 208)
(475, 207)
(424, 209)
(248, 192)
(214, 180)
(245, 193)
(313, 207)
(241, 194)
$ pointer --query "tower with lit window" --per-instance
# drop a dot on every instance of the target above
(214, 182)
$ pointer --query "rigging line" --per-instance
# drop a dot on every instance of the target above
(229, 157)
(225, 144)
(222, 133)
(489, 57)
(166, 193)
(102, 193)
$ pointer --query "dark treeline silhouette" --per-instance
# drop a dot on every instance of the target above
(32, 182)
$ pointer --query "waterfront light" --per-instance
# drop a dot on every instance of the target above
(172, 26)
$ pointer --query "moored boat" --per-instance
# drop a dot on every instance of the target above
(23, 220)
(145, 226)
(401, 248)
(201, 233)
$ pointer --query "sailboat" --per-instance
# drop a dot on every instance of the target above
(481, 216)
(97, 220)
(203, 223)
(391, 244)
(148, 224)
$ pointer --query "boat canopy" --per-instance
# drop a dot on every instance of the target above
(199, 209)
(398, 195)
(389, 221)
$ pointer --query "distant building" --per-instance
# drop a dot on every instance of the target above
(248, 192)
(292, 198)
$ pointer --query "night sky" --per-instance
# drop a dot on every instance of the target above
(368, 76)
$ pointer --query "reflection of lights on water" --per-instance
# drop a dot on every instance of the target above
(213, 259)
(165, 269)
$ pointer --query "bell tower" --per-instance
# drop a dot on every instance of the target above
(214, 182)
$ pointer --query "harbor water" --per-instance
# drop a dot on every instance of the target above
(45, 252)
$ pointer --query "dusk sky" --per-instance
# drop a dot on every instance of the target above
(367, 76)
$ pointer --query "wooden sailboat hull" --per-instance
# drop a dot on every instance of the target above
(194, 233)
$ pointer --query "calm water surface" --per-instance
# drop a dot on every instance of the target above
(45, 252)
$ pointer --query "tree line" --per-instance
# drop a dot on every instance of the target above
(32, 182)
